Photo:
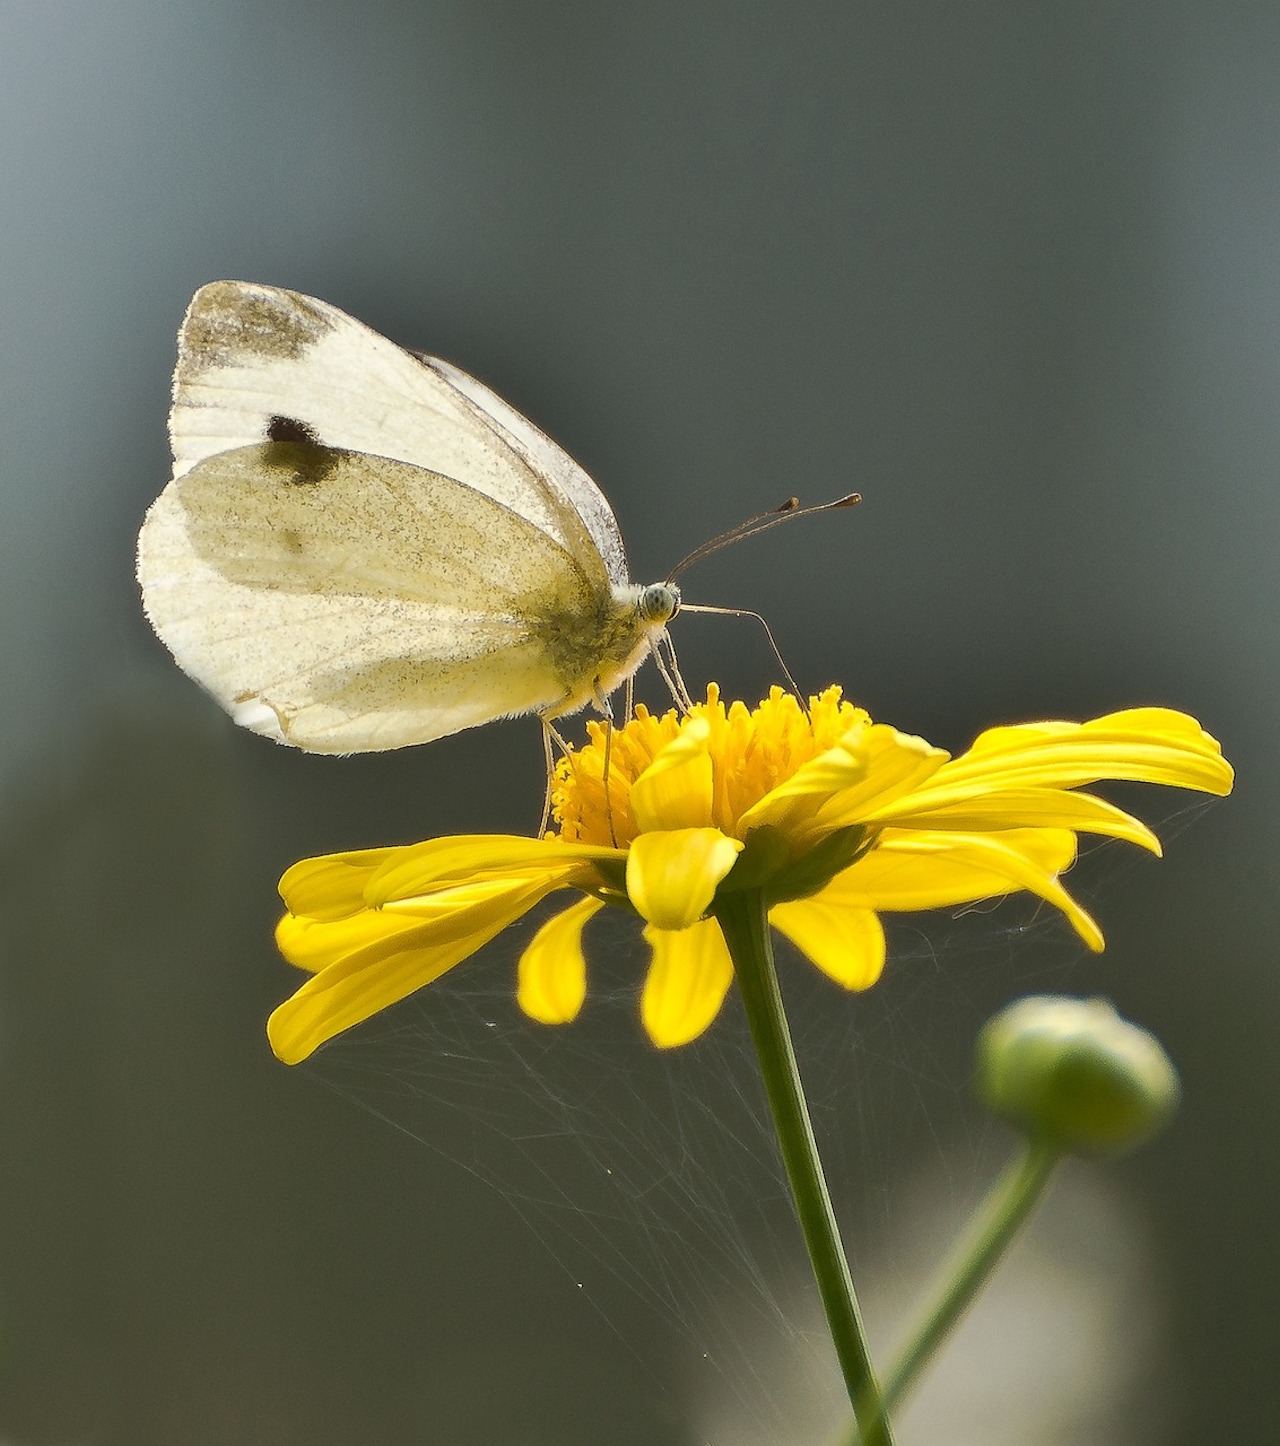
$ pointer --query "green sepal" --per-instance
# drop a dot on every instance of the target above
(817, 866)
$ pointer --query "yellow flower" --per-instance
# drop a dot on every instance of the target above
(833, 818)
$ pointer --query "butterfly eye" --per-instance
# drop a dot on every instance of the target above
(659, 603)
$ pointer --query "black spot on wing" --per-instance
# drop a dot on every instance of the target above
(292, 429)
(294, 448)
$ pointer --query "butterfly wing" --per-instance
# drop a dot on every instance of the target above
(361, 548)
(259, 361)
(344, 602)
(548, 461)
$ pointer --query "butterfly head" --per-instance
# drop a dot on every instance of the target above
(658, 603)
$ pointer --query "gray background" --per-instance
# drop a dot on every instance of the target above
(1011, 270)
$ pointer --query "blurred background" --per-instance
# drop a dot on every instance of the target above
(1012, 271)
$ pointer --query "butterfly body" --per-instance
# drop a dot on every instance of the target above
(362, 548)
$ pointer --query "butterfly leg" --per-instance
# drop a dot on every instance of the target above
(670, 670)
(550, 763)
(549, 736)
(606, 709)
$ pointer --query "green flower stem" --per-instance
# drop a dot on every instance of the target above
(744, 921)
(1002, 1214)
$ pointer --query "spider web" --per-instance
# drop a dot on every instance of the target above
(653, 1177)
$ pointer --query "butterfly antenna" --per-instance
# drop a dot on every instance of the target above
(761, 522)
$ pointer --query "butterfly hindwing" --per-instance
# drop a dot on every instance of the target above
(344, 602)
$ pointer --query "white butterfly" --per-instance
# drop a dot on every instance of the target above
(362, 548)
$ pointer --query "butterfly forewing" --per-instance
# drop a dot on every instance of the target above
(250, 356)
(588, 503)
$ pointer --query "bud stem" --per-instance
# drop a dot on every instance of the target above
(976, 1254)
(744, 922)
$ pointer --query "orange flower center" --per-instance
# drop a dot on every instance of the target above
(752, 751)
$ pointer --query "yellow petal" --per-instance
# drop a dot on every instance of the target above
(672, 876)
(675, 791)
(386, 969)
(911, 870)
(440, 863)
(313, 944)
(1140, 745)
(871, 764)
(475, 894)
(688, 978)
(1020, 808)
(798, 797)
(897, 765)
(331, 886)
(1166, 723)
(552, 975)
(846, 943)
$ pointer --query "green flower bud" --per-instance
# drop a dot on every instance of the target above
(1074, 1075)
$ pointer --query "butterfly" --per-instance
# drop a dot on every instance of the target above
(363, 547)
